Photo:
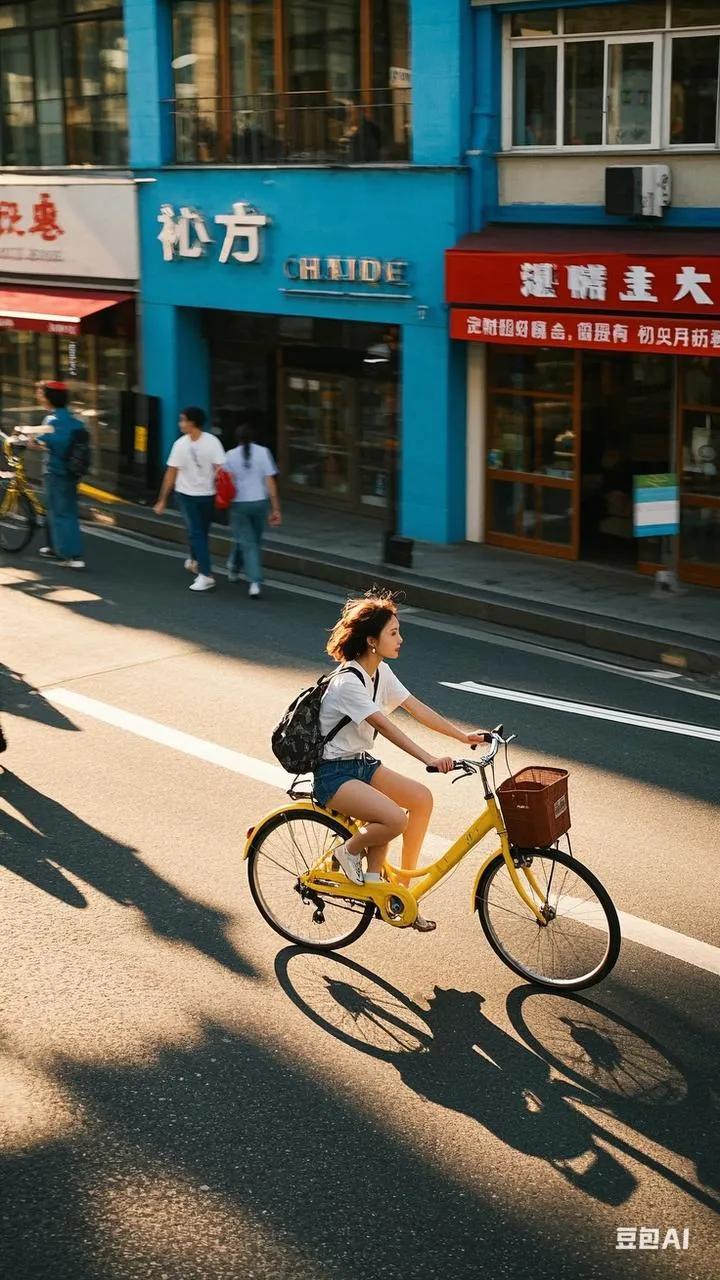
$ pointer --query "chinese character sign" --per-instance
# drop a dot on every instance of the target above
(71, 229)
(185, 233)
(597, 332)
(683, 285)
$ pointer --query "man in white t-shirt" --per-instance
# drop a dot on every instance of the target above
(192, 465)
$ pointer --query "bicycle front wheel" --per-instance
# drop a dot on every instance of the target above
(284, 850)
(580, 941)
(17, 521)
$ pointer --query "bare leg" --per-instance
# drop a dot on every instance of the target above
(418, 801)
(382, 820)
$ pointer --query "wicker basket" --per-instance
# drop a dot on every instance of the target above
(535, 806)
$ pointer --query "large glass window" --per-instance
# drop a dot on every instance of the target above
(259, 80)
(603, 65)
(63, 66)
(531, 459)
(694, 90)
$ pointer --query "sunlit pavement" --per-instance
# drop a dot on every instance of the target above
(185, 1096)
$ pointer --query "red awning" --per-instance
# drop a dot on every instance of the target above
(67, 312)
(640, 271)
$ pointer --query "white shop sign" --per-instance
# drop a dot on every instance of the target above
(83, 229)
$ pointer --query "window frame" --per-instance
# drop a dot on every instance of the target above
(67, 19)
(662, 40)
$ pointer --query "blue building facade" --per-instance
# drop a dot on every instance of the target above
(318, 299)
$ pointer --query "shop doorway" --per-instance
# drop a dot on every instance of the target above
(627, 430)
(327, 393)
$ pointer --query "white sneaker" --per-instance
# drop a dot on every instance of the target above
(47, 551)
(202, 583)
(254, 590)
(351, 864)
(74, 564)
(191, 566)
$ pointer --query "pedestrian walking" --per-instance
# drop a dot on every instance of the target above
(255, 505)
(192, 465)
(350, 779)
(67, 451)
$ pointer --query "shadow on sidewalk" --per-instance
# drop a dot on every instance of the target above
(45, 843)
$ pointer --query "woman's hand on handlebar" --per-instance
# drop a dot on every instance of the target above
(443, 764)
(477, 736)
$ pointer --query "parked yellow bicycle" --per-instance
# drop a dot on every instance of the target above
(20, 508)
(546, 916)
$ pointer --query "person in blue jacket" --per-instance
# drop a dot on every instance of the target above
(60, 486)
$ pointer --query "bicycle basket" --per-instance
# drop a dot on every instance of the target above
(535, 806)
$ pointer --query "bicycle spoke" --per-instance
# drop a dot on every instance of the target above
(575, 942)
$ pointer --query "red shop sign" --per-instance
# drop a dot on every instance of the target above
(585, 281)
(661, 335)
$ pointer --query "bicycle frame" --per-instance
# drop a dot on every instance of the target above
(18, 483)
(322, 880)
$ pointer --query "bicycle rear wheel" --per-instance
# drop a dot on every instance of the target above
(17, 521)
(580, 942)
(285, 848)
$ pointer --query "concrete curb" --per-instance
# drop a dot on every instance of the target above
(646, 643)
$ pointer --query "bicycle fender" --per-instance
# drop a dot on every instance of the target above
(479, 876)
(297, 806)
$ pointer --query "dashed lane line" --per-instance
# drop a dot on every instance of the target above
(656, 937)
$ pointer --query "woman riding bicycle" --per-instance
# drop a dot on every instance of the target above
(350, 780)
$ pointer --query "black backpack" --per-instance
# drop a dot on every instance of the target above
(78, 456)
(296, 740)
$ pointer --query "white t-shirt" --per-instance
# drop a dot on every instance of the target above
(196, 461)
(347, 696)
(250, 480)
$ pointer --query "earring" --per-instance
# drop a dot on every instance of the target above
(373, 649)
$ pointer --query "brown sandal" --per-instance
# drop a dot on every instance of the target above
(424, 926)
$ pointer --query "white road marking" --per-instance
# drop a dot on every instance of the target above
(416, 618)
(587, 709)
(656, 937)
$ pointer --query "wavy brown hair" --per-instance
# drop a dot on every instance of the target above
(361, 619)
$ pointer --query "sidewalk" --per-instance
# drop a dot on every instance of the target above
(608, 609)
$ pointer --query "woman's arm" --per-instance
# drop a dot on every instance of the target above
(271, 485)
(433, 720)
(400, 739)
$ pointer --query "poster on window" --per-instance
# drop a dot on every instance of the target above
(78, 228)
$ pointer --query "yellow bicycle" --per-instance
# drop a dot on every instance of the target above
(546, 916)
(20, 508)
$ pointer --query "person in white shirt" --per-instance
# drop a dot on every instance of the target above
(192, 465)
(349, 778)
(255, 505)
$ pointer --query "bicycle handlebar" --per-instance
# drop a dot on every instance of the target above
(497, 739)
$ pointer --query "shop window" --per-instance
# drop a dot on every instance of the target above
(63, 83)
(700, 469)
(532, 434)
(593, 76)
(291, 81)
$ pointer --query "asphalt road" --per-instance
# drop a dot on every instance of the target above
(183, 1096)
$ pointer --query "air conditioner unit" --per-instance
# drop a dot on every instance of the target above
(637, 191)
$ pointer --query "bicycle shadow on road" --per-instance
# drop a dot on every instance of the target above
(46, 840)
(452, 1055)
(20, 698)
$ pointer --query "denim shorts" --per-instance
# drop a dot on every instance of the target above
(333, 773)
